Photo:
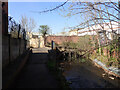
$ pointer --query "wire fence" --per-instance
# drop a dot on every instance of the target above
(15, 30)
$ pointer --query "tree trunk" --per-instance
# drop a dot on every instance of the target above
(44, 40)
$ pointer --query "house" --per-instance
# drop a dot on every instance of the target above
(36, 40)
(73, 32)
(62, 34)
(110, 30)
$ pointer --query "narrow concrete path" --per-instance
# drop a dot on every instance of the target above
(36, 74)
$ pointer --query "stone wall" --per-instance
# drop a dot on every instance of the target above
(37, 42)
(5, 50)
(11, 49)
(42, 42)
(34, 42)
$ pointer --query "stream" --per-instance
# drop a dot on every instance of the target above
(83, 73)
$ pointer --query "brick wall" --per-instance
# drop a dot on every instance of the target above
(61, 39)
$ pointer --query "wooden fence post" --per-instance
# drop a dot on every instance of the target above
(53, 45)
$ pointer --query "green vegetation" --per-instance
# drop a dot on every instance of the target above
(44, 30)
(107, 54)
(48, 44)
(84, 43)
(51, 64)
(54, 68)
(58, 74)
(83, 60)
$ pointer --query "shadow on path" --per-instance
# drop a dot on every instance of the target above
(35, 74)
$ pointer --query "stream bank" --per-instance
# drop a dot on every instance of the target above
(81, 72)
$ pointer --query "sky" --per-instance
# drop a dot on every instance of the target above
(53, 19)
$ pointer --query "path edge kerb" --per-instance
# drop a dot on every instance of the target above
(20, 67)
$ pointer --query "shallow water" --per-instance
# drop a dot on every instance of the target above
(86, 75)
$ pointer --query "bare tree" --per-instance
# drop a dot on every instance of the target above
(97, 13)
(31, 24)
(24, 22)
(100, 13)
(28, 24)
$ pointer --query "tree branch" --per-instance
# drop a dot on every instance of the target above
(49, 10)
